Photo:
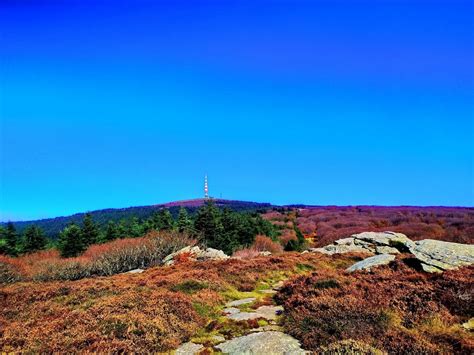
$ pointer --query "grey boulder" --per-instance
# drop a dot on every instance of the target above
(373, 261)
(437, 255)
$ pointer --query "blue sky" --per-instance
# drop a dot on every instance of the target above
(115, 103)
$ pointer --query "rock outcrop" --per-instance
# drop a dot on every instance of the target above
(433, 255)
(373, 261)
(437, 255)
(368, 242)
(271, 343)
(195, 253)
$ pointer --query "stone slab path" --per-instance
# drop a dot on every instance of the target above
(266, 340)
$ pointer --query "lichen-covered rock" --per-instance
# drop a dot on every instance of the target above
(268, 343)
(189, 349)
(196, 253)
(339, 249)
(442, 255)
(373, 261)
(381, 249)
(368, 242)
(384, 238)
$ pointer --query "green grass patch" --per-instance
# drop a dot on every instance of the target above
(190, 286)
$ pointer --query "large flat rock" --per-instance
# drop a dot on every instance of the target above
(268, 343)
(373, 261)
(189, 349)
(442, 255)
(240, 302)
(266, 312)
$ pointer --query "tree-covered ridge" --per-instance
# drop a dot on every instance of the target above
(225, 229)
(53, 226)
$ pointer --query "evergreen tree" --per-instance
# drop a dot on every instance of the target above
(229, 240)
(71, 241)
(89, 230)
(166, 220)
(209, 226)
(3, 242)
(11, 239)
(122, 229)
(148, 225)
(184, 222)
(34, 239)
(111, 232)
(134, 228)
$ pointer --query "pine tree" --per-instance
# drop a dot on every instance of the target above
(166, 220)
(34, 239)
(89, 230)
(184, 223)
(122, 229)
(111, 232)
(71, 241)
(11, 239)
(134, 228)
(208, 225)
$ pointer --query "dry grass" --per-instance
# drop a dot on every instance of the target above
(101, 259)
(152, 311)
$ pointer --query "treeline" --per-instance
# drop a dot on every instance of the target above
(221, 229)
(53, 226)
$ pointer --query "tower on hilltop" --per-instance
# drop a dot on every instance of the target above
(206, 188)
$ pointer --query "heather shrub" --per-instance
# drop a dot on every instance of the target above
(247, 253)
(62, 269)
(8, 274)
(263, 243)
(391, 309)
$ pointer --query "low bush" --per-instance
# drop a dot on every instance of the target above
(391, 309)
(263, 243)
(101, 259)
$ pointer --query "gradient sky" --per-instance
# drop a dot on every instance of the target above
(121, 103)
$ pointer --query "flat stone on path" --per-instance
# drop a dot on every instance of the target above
(244, 316)
(231, 310)
(189, 349)
(268, 343)
(266, 312)
(240, 302)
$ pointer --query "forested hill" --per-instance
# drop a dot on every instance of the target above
(52, 226)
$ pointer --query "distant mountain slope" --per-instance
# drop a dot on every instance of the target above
(52, 226)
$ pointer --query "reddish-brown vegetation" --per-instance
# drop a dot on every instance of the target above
(327, 224)
(153, 311)
(395, 309)
(100, 259)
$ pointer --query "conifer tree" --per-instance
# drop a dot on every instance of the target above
(208, 225)
(34, 239)
(89, 230)
(166, 220)
(71, 241)
(134, 228)
(11, 239)
(111, 232)
(184, 222)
